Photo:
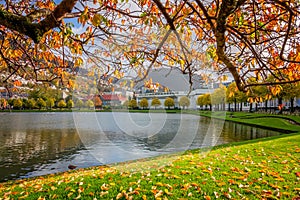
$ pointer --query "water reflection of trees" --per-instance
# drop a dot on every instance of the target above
(22, 150)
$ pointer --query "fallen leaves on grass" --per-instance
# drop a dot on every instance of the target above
(265, 170)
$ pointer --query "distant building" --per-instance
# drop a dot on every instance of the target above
(173, 83)
(111, 99)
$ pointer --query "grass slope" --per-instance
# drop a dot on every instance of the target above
(261, 169)
(274, 122)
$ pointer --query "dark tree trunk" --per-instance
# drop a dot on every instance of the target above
(241, 108)
(251, 107)
(234, 104)
(292, 105)
(229, 107)
(280, 105)
(266, 105)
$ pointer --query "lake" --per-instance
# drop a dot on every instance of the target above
(34, 144)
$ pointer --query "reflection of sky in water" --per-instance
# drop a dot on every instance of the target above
(41, 143)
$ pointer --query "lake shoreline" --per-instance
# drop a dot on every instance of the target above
(239, 116)
(232, 169)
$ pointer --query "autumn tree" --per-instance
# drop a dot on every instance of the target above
(17, 103)
(126, 104)
(79, 104)
(97, 102)
(144, 103)
(50, 103)
(200, 101)
(132, 104)
(207, 101)
(155, 102)
(30, 104)
(41, 103)
(3, 103)
(70, 103)
(246, 38)
(169, 102)
(233, 95)
(89, 104)
(184, 101)
(289, 92)
(218, 97)
(61, 104)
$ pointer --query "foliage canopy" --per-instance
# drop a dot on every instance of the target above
(247, 38)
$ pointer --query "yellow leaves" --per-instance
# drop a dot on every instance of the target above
(84, 16)
(275, 90)
(118, 74)
(181, 62)
(184, 172)
(78, 62)
(96, 20)
(175, 177)
(221, 184)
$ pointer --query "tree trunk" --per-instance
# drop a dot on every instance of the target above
(280, 105)
(234, 104)
(241, 108)
(256, 106)
(229, 107)
(250, 107)
(266, 105)
(292, 105)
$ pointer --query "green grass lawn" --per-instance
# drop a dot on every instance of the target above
(280, 122)
(267, 168)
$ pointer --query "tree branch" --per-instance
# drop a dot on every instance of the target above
(35, 31)
(227, 8)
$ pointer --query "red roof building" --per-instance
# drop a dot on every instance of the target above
(112, 99)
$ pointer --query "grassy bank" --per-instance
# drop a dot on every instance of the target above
(264, 169)
(274, 122)
(267, 168)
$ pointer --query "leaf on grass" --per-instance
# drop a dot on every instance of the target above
(160, 193)
(104, 187)
(159, 184)
(216, 194)
(221, 184)
(167, 192)
(207, 198)
(103, 193)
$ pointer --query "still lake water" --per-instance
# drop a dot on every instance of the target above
(33, 144)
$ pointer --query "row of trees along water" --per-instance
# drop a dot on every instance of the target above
(258, 94)
(47, 98)
(41, 97)
(169, 103)
(40, 103)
